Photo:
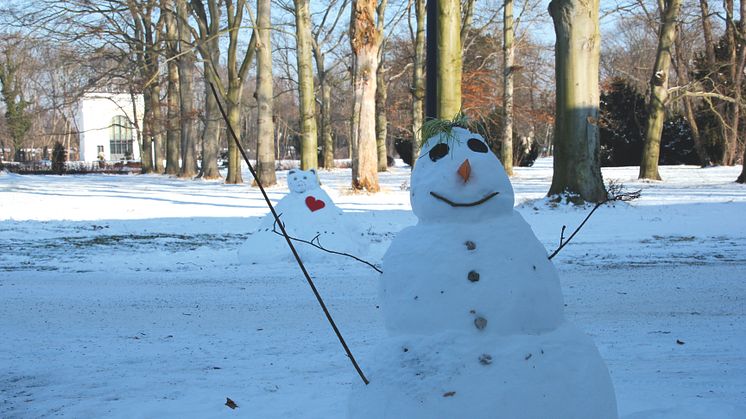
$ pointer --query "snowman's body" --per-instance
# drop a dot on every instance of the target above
(308, 213)
(474, 309)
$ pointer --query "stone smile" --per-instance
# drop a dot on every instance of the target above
(467, 204)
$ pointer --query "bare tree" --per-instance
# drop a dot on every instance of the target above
(659, 91)
(325, 39)
(208, 45)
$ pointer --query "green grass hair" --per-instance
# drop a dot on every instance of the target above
(433, 127)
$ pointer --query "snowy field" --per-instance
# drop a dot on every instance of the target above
(122, 296)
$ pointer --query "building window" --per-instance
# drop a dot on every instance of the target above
(120, 140)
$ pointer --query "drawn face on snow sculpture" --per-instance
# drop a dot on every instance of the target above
(459, 179)
(301, 181)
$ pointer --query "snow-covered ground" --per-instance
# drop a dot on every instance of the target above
(122, 296)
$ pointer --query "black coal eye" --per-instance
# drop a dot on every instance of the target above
(476, 145)
(438, 152)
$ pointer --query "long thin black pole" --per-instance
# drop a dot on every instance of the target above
(287, 239)
(431, 60)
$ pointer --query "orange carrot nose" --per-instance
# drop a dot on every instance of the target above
(465, 170)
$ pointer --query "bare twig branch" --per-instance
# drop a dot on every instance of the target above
(615, 193)
(315, 242)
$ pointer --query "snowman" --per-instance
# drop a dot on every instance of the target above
(473, 307)
(309, 214)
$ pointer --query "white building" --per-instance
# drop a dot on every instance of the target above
(106, 122)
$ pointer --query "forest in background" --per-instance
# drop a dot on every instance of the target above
(53, 51)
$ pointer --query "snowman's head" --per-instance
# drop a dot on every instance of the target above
(301, 181)
(458, 178)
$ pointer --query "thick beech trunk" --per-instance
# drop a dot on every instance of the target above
(577, 171)
(173, 136)
(186, 93)
(449, 58)
(264, 97)
(308, 143)
(506, 146)
(418, 79)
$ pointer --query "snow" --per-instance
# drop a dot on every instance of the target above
(122, 296)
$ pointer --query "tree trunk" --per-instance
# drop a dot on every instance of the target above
(737, 55)
(577, 171)
(730, 126)
(265, 165)
(146, 151)
(707, 33)
(186, 93)
(173, 135)
(418, 79)
(236, 76)
(325, 124)
(659, 92)
(308, 143)
(210, 135)
(157, 127)
(327, 140)
(449, 58)
(234, 120)
(742, 176)
(381, 121)
(364, 42)
(506, 146)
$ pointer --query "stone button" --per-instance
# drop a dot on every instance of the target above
(480, 323)
(473, 276)
(470, 245)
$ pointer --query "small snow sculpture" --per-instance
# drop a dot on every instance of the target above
(308, 213)
(473, 307)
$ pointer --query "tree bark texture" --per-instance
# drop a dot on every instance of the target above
(173, 135)
(737, 55)
(506, 146)
(210, 50)
(210, 136)
(381, 120)
(418, 79)
(325, 109)
(707, 33)
(364, 42)
(148, 127)
(264, 97)
(158, 127)
(186, 93)
(659, 92)
(449, 58)
(308, 143)
(577, 170)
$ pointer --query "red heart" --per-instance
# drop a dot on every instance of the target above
(314, 204)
